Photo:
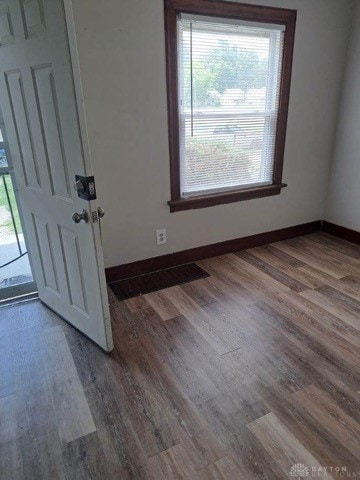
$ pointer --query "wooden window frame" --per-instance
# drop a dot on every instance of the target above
(225, 9)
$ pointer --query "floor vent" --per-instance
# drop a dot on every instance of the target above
(151, 282)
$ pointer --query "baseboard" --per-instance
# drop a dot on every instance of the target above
(199, 253)
(341, 232)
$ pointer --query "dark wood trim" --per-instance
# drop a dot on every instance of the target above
(172, 97)
(225, 197)
(193, 254)
(226, 9)
(230, 10)
(284, 98)
(341, 232)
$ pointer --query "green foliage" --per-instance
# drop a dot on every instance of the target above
(235, 68)
(203, 82)
(224, 67)
(204, 155)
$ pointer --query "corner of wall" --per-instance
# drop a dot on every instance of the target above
(339, 109)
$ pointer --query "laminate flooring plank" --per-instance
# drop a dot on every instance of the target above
(198, 368)
(328, 266)
(257, 281)
(162, 305)
(348, 316)
(31, 380)
(312, 277)
(341, 299)
(136, 303)
(32, 314)
(85, 458)
(210, 327)
(200, 292)
(155, 377)
(72, 412)
(275, 257)
(349, 285)
(42, 457)
(273, 272)
(254, 459)
(227, 468)
(291, 316)
(325, 318)
(231, 411)
(328, 450)
(337, 244)
(336, 255)
(224, 286)
(131, 422)
(132, 325)
(333, 418)
(174, 463)
(14, 424)
(7, 372)
(285, 449)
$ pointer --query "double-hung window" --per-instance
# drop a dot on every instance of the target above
(228, 73)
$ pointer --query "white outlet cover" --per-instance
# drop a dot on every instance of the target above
(161, 236)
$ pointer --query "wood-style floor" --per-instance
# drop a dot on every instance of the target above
(237, 376)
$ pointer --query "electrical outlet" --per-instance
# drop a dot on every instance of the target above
(161, 236)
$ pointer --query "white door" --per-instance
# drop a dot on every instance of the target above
(39, 108)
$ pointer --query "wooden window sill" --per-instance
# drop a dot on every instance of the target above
(225, 197)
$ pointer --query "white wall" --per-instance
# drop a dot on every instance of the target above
(122, 61)
(343, 205)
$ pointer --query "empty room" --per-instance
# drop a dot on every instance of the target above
(179, 239)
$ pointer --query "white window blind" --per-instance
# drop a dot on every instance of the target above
(229, 83)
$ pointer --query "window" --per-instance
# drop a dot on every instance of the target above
(228, 74)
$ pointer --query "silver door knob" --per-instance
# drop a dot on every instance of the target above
(78, 217)
(101, 212)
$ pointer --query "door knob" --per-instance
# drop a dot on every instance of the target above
(101, 212)
(77, 217)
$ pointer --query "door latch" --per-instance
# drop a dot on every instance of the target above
(97, 215)
(85, 187)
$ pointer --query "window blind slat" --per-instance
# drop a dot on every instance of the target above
(229, 81)
(230, 21)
